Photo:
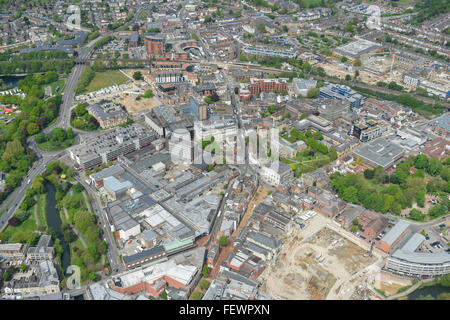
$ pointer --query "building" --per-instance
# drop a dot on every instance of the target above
(407, 62)
(134, 40)
(342, 93)
(370, 130)
(116, 188)
(437, 148)
(263, 241)
(276, 173)
(150, 238)
(441, 126)
(146, 256)
(411, 78)
(332, 110)
(43, 250)
(257, 51)
(98, 177)
(180, 271)
(40, 281)
(154, 45)
(301, 86)
(394, 235)
(108, 114)
(406, 261)
(122, 223)
(355, 49)
(213, 255)
(111, 144)
(379, 152)
(15, 251)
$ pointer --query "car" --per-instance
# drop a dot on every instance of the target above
(129, 241)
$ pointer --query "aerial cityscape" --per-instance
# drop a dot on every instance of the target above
(225, 150)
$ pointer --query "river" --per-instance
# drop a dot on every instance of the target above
(54, 222)
(433, 290)
(11, 80)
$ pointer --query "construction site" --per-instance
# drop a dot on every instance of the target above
(317, 262)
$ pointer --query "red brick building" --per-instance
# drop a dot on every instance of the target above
(155, 46)
(257, 86)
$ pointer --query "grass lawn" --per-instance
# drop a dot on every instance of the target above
(40, 209)
(59, 83)
(49, 146)
(28, 225)
(312, 2)
(106, 79)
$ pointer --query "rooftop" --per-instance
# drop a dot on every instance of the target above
(380, 151)
(395, 232)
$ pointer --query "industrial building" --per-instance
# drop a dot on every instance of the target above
(379, 152)
(356, 49)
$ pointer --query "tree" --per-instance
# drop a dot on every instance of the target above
(261, 27)
(344, 59)
(434, 167)
(204, 284)
(214, 97)
(350, 194)
(39, 138)
(148, 94)
(223, 241)
(32, 128)
(205, 271)
(348, 77)
(421, 161)
(333, 154)
(416, 215)
(420, 198)
(137, 75)
(368, 174)
(306, 67)
(313, 93)
(197, 295)
(92, 276)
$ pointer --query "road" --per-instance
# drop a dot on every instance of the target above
(18, 194)
(113, 252)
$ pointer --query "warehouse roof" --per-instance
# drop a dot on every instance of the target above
(108, 172)
(380, 151)
(422, 258)
(114, 185)
(414, 242)
(142, 255)
(395, 232)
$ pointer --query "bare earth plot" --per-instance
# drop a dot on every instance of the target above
(324, 265)
(390, 283)
(133, 106)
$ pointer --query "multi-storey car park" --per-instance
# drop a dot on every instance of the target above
(111, 144)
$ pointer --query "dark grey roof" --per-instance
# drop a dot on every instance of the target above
(144, 254)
